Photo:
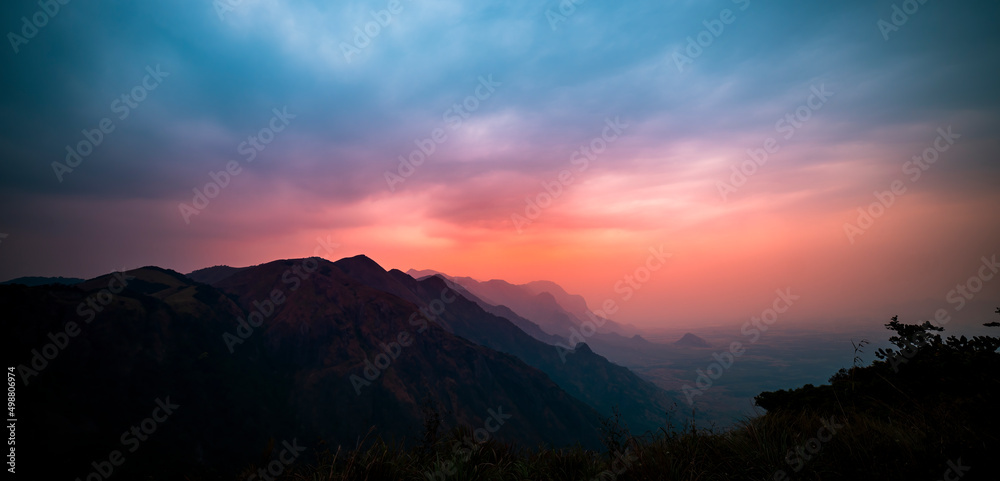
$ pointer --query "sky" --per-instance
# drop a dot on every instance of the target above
(595, 144)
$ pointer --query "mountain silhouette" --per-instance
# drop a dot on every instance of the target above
(339, 317)
(583, 373)
(41, 281)
(691, 340)
(165, 335)
(530, 302)
(548, 313)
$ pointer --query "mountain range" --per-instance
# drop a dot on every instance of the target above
(323, 352)
(548, 313)
(556, 311)
(691, 340)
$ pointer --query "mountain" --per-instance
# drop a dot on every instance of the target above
(421, 273)
(691, 340)
(577, 305)
(583, 373)
(334, 325)
(543, 302)
(128, 343)
(632, 351)
(97, 357)
(540, 308)
(529, 327)
(211, 275)
(41, 281)
(545, 306)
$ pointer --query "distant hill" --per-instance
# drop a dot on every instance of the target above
(158, 338)
(295, 375)
(584, 373)
(548, 313)
(691, 340)
(211, 275)
(575, 304)
(530, 328)
(342, 314)
(42, 281)
(543, 302)
(920, 412)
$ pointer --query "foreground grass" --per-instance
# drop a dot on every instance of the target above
(931, 414)
(778, 446)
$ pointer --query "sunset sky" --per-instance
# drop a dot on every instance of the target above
(844, 94)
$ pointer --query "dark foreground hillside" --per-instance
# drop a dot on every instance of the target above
(926, 410)
(307, 369)
(150, 374)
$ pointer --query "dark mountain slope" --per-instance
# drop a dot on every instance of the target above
(158, 338)
(41, 281)
(163, 338)
(332, 327)
(211, 275)
(584, 374)
(577, 306)
(525, 325)
(543, 309)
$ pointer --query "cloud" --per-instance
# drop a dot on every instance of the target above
(356, 116)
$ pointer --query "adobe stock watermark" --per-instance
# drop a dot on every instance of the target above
(291, 277)
(580, 159)
(30, 26)
(87, 310)
(364, 35)
(912, 344)
(121, 105)
(388, 353)
(787, 125)
(462, 449)
(955, 471)
(988, 269)
(751, 329)
(915, 168)
(621, 463)
(134, 436)
(454, 117)
(714, 29)
(625, 287)
(249, 148)
(278, 465)
(798, 456)
(899, 17)
(12, 419)
(965, 292)
(566, 9)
